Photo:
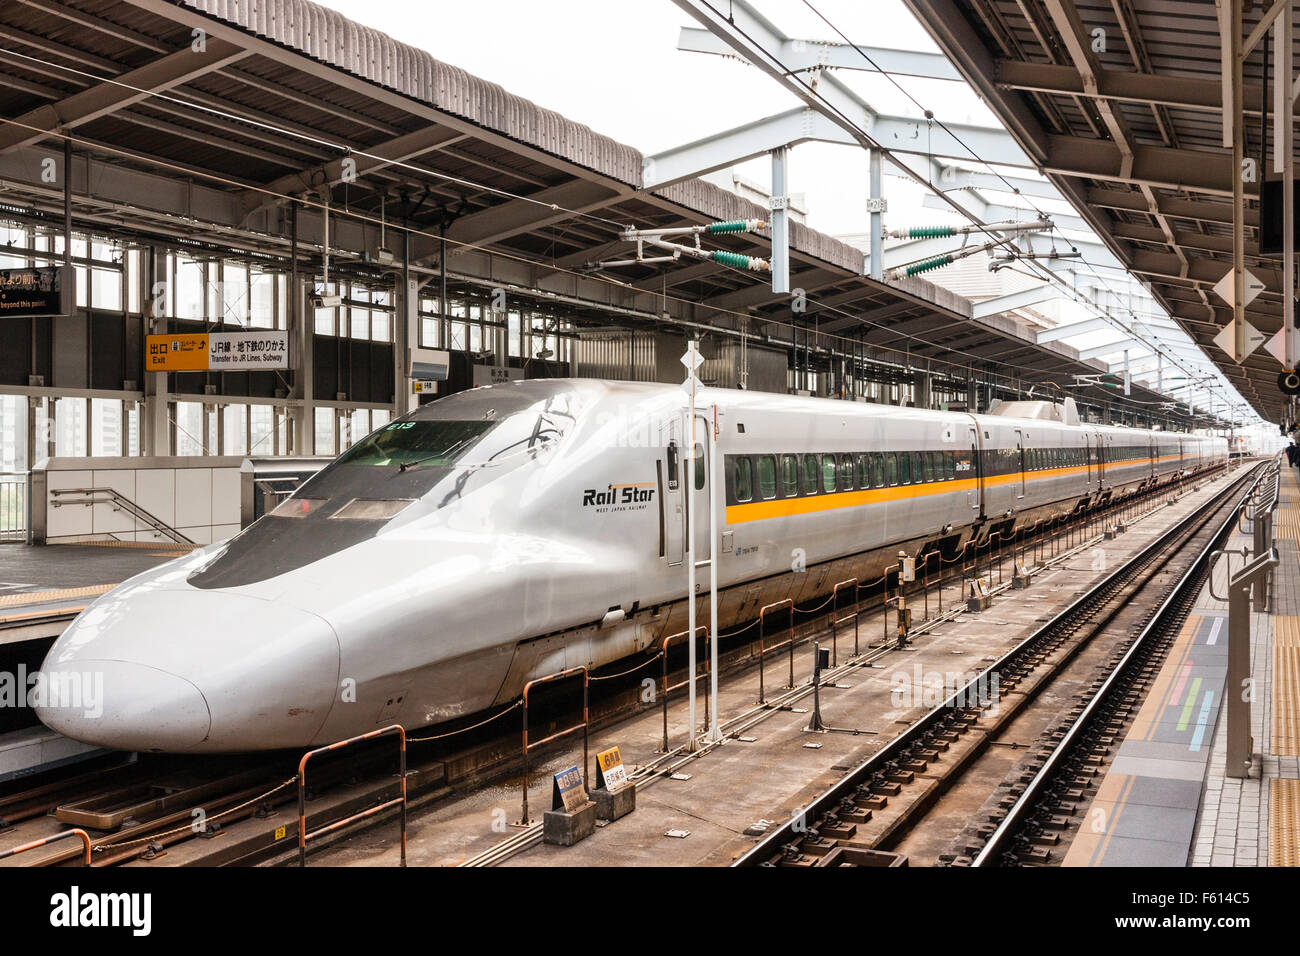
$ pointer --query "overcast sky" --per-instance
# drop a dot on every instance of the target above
(615, 66)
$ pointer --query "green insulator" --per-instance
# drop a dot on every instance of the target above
(735, 225)
(930, 232)
(731, 259)
(925, 265)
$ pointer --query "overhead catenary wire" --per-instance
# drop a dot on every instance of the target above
(982, 362)
(1048, 274)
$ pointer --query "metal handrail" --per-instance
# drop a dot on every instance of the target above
(45, 841)
(115, 497)
(762, 649)
(584, 726)
(400, 799)
(666, 689)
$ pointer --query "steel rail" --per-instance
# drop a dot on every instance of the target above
(1014, 819)
(771, 844)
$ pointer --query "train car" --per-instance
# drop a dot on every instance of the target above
(509, 532)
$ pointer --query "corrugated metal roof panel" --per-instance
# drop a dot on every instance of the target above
(330, 37)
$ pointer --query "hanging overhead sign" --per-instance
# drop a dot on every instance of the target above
(1227, 340)
(44, 290)
(217, 351)
(1226, 287)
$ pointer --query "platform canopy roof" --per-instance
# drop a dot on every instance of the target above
(197, 120)
(1119, 104)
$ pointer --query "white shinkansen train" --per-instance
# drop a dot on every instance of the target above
(509, 532)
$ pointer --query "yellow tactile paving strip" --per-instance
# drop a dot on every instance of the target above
(1286, 686)
(1090, 843)
(161, 546)
(1284, 822)
(41, 597)
(1166, 682)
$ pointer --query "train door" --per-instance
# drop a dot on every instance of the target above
(1020, 463)
(672, 510)
(975, 495)
(695, 487)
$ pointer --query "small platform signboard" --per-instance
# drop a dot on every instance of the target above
(610, 773)
(42, 290)
(567, 792)
(217, 351)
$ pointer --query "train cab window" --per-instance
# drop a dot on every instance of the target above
(891, 468)
(828, 473)
(904, 468)
(767, 477)
(864, 471)
(846, 472)
(744, 478)
(810, 474)
(789, 476)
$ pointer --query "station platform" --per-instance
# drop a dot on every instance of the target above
(717, 805)
(46, 583)
(1165, 799)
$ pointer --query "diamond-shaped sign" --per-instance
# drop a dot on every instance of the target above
(692, 359)
(1225, 288)
(691, 380)
(1227, 340)
(1277, 347)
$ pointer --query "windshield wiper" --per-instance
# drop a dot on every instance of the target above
(442, 454)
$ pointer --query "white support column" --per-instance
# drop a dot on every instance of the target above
(780, 222)
(1284, 163)
(1238, 187)
(876, 208)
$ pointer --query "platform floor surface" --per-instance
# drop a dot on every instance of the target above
(701, 819)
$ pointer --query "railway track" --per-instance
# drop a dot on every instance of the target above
(1054, 785)
(941, 769)
(159, 825)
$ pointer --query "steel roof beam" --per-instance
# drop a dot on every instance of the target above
(107, 97)
(806, 55)
(1016, 300)
(1177, 91)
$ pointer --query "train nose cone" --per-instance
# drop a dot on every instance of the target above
(124, 705)
(186, 670)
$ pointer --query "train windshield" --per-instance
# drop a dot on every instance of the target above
(417, 443)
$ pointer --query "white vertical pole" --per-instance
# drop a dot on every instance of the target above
(1238, 187)
(780, 221)
(1284, 163)
(877, 260)
(689, 432)
(715, 731)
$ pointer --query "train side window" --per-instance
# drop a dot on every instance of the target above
(918, 467)
(936, 466)
(904, 468)
(950, 465)
(846, 472)
(789, 476)
(699, 467)
(744, 478)
(878, 470)
(864, 470)
(891, 468)
(828, 473)
(810, 470)
(767, 477)
(672, 466)
(925, 472)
